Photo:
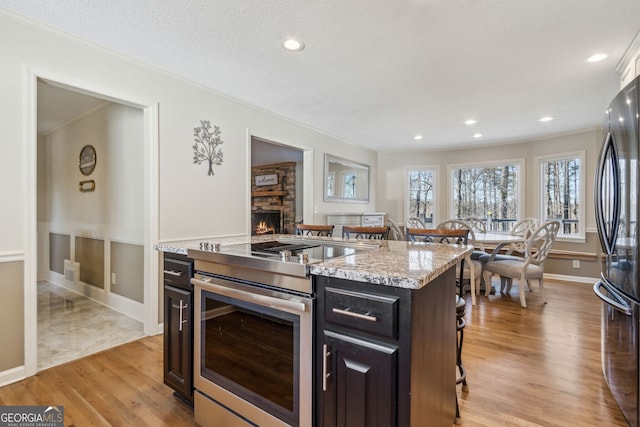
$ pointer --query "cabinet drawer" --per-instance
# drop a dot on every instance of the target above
(178, 272)
(372, 220)
(367, 312)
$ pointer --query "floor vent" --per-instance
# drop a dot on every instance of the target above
(71, 271)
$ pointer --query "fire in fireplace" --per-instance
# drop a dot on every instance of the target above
(266, 222)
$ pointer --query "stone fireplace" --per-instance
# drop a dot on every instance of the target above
(273, 194)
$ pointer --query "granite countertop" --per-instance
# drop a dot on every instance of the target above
(392, 263)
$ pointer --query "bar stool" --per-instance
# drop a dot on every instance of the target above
(462, 373)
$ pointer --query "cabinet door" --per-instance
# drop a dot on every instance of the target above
(178, 340)
(360, 383)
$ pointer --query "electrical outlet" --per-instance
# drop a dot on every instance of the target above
(113, 277)
(576, 263)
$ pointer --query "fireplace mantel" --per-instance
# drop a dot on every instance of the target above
(268, 193)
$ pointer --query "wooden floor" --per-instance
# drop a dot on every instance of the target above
(538, 366)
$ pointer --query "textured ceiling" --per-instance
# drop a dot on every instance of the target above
(375, 73)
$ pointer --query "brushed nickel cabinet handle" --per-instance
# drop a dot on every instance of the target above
(325, 374)
(356, 315)
(182, 320)
(173, 273)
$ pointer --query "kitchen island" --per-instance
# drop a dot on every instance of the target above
(383, 332)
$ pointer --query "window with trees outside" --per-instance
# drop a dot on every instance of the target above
(421, 193)
(562, 189)
(491, 192)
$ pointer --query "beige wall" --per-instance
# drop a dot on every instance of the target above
(11, 315)
(59, 250)
(392, 174)
(127, 261)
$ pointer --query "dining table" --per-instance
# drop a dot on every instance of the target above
(497, 241)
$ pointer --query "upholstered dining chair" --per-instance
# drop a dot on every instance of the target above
(314, 230)
(525, 227)
(362, 233)
(530, 268)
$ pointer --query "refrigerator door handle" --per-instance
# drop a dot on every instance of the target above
(607, 217)
(619, 303)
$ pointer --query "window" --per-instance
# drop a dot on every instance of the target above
(331, 182)
(561, 190)
(421, 194)
(349, 189)
(490, 191)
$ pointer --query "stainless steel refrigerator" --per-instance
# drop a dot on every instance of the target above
(616, 202)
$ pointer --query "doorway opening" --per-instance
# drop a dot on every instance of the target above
(277, 187)
(89, 261)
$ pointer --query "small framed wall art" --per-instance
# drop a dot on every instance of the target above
(87, 162)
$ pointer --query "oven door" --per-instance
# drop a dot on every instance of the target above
(253, 353)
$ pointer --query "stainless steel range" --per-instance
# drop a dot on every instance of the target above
(254, 331)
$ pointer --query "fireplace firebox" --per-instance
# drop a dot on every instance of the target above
(266, 222)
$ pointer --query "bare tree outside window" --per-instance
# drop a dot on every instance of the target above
(489, 192)
(561, 186)
(421, 194)
(349, 185)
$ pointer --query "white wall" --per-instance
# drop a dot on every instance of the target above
(114, 210)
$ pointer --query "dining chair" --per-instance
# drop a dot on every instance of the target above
(361, 233)
(450, 236)
(473, 268)
(528, 269)
(415, 222)
(458, 224)
(445, 236)
(524, 228)
(314, 230)
(476, 223)
(395, 232)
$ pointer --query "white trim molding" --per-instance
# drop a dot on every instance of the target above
(12, 375)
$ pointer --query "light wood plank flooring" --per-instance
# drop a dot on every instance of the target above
(538, 366)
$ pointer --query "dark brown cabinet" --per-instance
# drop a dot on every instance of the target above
(385, 356)
(360, 390)
(178, 325)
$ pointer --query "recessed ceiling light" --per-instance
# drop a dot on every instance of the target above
(595, 58)
(470, 122)
(477, 135)
(293, 45)
(546, 119)
(417, 137)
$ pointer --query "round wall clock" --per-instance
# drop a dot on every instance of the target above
(87, 161)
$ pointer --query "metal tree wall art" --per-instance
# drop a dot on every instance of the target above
(207, 145)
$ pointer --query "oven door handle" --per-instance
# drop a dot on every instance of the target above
(251, 297)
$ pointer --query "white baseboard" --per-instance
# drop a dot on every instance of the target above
(159, 329)
(566, 278)
(11, 376)
(123, 305)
